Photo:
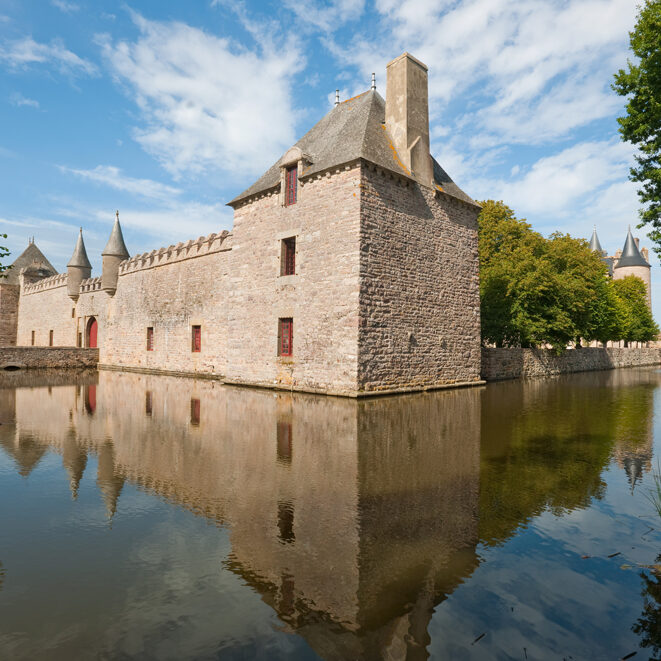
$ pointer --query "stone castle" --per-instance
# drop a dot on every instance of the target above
(631, 260)
(351, 269)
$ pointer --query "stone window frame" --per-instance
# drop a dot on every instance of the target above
(286, 324)
(287, 258)
(196, 338)
(293, 158)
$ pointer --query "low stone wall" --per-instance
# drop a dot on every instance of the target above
(43, 357)
(498, 364)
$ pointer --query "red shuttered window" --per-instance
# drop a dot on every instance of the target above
(197, 339)
(286, 337)
(291, 181)
(288, 260)
(195, 411)
(150, 338)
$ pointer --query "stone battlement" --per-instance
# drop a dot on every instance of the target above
(90, 284)
(191, 249)
(58, 280)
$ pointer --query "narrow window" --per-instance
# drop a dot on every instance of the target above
(286, 522)
(284, 442)
(73, 312)
(80, 339)
(50, 338)
(150, 338)
(291, 180)
(288, 256)
(286, 337)
(196, 339)
(148, 402)
(32, 338)
(195, 412)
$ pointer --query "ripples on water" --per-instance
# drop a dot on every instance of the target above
(162, 518)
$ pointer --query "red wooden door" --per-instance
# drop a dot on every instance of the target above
(93, 329)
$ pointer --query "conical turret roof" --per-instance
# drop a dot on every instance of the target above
(594, 242)
(79, 257)
(116, 246)
(630, 254)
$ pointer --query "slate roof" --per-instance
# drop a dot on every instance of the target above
(116, 246)
(630, 254)
(79, 257)
(594, 242)
(353, 129)
(30, 257)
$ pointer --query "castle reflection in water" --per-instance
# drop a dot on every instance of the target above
(352, 519)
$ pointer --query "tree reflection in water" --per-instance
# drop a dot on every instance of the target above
(352, 520)
(648, 626)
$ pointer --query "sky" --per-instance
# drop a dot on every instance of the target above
(167, 109)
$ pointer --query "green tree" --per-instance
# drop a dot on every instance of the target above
(641, 83)
(637, 323)
(3, 253)
(534, 290)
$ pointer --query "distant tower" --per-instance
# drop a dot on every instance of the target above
(631, 262)
(113, 254)
(594, 242)
(78, 268)
(595, 246)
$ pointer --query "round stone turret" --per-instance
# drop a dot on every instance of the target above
(113, 255)
(631, 262)
(78, 268)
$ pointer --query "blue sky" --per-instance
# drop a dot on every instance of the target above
(167, 110)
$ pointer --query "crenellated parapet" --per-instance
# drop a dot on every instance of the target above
(54, 281)
(191, 249)
(90, 285)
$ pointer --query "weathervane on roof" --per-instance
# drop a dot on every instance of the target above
(117, 215)
(373, 81)
(337, 97)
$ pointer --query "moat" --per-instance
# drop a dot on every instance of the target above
(154, 517)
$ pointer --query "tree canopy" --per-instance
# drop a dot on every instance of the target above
(641, 83)
(3, 253)
(536, 291)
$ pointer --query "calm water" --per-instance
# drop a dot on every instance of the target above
(161, 518)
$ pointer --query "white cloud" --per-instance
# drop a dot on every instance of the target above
(178, 222)
(207, 103)
(109, 175)
(66, 7)
(327, 17)
(526, 71)
(18, 100)
(555, 184)
(25, 52)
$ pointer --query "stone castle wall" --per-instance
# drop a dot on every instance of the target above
(45, 306)
(500, 364)
(8, 314)
(48, 357)
(321, 298)
(170, 290)
(375, 257)
(419, 293)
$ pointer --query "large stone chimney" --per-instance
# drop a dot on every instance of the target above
(407, 115)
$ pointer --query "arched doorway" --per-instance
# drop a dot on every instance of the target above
(92, 332)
